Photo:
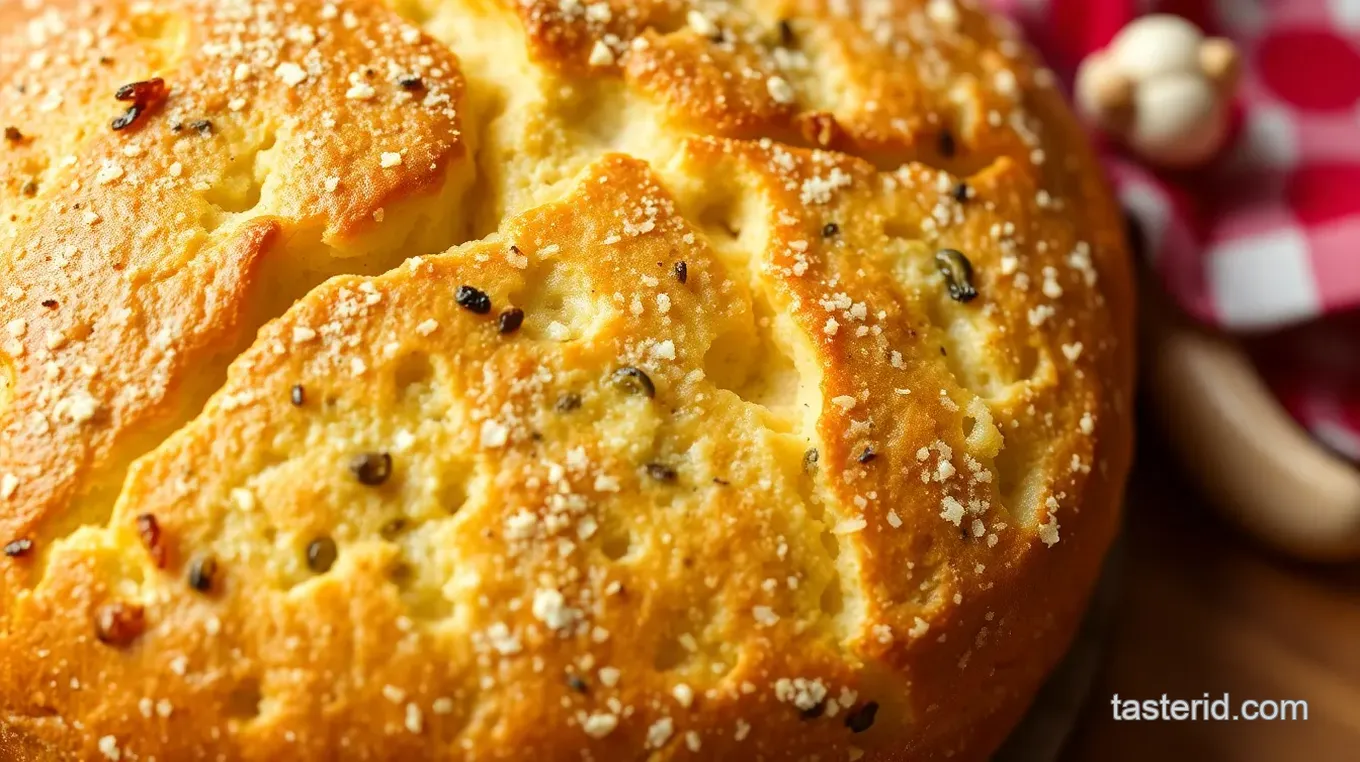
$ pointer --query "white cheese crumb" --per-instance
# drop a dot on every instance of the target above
(780, 90)
(600, 725)
(601, 55)
(389, 159)
(609, 676)
(175, 169)
(108, 173)
(550, 608)
(894, 520)
(1052, 289)
(108, 746)
(606, 483)
(1072, 351)
(494, 433)
(805, 694)
(558, 332)
(1048, 531)
(1039, 314)
(692, 741)
(415, 721)
(764, 615)
(844, 402)
(1087, 423)
(683, 694)
(291, 74)
(443, 706)
(919, 628)
(664, 350)
(951, 510)
(659, 733)
(9, 483)
(427, 327)
(505, 642)
(360, 90)
(743, 730)
(701, 24)
(393, 693)
(81, 408)
(303, 334)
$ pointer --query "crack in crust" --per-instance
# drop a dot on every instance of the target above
(663, 560)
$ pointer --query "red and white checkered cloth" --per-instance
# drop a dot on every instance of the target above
(1266, 241)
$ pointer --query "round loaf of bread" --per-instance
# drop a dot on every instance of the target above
(544, 379)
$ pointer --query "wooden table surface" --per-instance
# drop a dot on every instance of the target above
(1206, 610)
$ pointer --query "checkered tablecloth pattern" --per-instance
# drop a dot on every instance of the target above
(1265, 242)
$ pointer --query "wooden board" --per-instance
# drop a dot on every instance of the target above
(1203, 609)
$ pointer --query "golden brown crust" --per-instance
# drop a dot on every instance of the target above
(558, 563)
(134, 258)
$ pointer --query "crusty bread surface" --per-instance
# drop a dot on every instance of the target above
(545, 379)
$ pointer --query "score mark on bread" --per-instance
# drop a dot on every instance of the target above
(629, 421)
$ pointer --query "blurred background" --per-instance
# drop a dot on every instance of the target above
(1202, 608)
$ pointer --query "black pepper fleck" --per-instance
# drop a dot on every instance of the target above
(959, 192)
(568, 402)
(575, 683)
(681, 272)
(19, 548)
(633, 381)
(785, 33)
(202, 573)
(50, 304)
(958, 274)
(472, 300)
(371, 468)
(143, 95)
(867, 456)
(947, 145)
(510, 320)
(661, 472)
(810, 459)
(830, 229)
(127, 118)
(321, 554)
(862, 718)
(13, 135)
(201, 126)
(411, 82)
(298, 395)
